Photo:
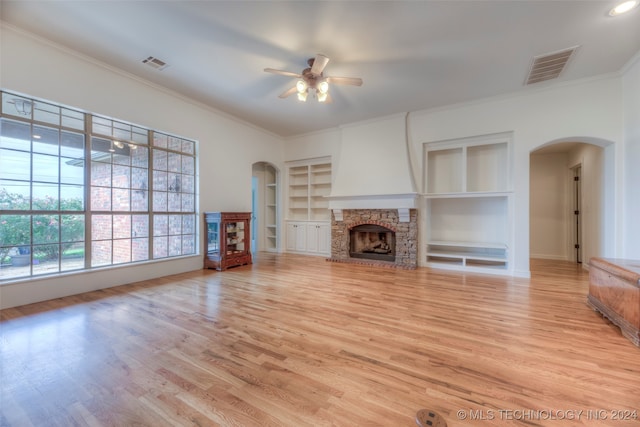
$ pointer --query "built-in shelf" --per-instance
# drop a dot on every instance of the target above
(468, 184)
(308, 215)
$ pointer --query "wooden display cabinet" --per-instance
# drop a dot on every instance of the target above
(228, 239)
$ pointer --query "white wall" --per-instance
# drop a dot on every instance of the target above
(227, 147)
(631, 194)
(586, 111)
(549, 205)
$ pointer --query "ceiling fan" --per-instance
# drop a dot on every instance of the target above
(312, 80)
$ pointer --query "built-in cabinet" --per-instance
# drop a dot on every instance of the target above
(308, 227)
(468, 217)
(271, 208)
(228, 238)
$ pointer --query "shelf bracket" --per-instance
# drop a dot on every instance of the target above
(337, 213)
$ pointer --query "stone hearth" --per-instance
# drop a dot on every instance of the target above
(406, 236)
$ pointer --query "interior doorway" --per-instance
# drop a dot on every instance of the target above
(567, 202)
(265, 208)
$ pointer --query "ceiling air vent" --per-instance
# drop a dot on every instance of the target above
(549, 66)
(155, 63)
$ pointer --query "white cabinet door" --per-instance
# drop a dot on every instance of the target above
(318, 238)
(296, 237)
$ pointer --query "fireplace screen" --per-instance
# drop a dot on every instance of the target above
(372, 242)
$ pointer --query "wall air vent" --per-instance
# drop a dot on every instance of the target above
(549, 66)
(156, 63)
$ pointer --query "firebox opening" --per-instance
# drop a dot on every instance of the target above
(372, 241)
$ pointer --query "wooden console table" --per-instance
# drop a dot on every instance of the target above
(614, 291)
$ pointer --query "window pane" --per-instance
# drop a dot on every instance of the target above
(160, 225)
(121, 251)
(140, 157)
(45, 229)
(173, 202)
(160, 247)
(121, 177)
(175, 224)
(17, 106)
(188, 165)
(139, 200)
(44, 197)
(101, 227)
(101, 174)
(175, 245)
(15, 165)
(15, 230)
(159, 201)
(121, 199)
(71, 171)
(175, 143)
(72, 228)
(188, 203)
(160, 140)
(45, 140)
(46, 259)
(139, 249)
(100, 199)
(46, 113)
(72, 119)
(140, 225)
(139, 178)
(188, 224)
(15, 135)
(100, 253)
(159, 160)
(15, 195)
(173, 162)
(121, 226)
(72, 256)
(188, 184)
(45, 168)
(160, 181)
(71, 197)
(188, 245)
(188, 147)
(72, 145)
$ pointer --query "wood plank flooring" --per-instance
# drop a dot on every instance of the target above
(298, 341)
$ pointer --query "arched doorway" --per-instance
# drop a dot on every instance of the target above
(568, 215)
(265, 208)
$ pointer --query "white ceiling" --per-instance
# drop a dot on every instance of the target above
(412, 55)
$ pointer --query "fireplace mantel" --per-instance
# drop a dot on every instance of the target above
(401, 202)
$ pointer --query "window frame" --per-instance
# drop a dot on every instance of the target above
(138, 138)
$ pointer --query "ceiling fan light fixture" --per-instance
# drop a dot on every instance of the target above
(624, 7)
(301, 85)
(302, 96)
(322, 96)
(323, 87)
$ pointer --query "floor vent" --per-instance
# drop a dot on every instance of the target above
(549, 66)
(155, 63)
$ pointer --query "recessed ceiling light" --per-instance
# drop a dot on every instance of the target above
(624, 7)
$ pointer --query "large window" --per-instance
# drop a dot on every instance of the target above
(79, 191)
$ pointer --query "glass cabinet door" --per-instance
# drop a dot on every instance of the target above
(235, 237)
(213, 238)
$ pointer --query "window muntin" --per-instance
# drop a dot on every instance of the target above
(44, 167)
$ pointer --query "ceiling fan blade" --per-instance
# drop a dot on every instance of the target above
(353, 81)
(288, 92)
(283, 73)
(319, 63)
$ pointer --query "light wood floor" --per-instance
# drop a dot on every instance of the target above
(298, 341)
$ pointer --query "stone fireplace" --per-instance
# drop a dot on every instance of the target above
(382, 237)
